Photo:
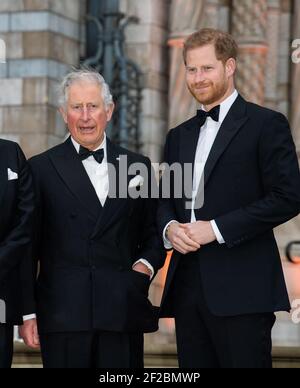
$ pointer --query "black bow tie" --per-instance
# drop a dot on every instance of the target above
(202, 115)
(98, 155)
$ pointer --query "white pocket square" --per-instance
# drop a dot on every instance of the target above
(136, 181)
(12, 176)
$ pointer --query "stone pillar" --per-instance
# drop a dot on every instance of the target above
(272, 63)
(295, 111)
(186, 17)
(42, 39)
(284, 54)
(249, 27)
(146, 46)
(211, 14)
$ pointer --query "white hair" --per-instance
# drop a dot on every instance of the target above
(88, 75)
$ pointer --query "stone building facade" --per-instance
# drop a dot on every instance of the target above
(43, 38)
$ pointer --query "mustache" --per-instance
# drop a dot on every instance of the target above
(201, 84)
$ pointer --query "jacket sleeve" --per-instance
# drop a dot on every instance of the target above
(151, 247)
(166, 211)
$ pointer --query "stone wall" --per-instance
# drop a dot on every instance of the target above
(42, 40)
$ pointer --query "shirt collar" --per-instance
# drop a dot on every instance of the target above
(102, 145)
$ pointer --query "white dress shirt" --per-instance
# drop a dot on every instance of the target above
(98, 173)
(208, 134)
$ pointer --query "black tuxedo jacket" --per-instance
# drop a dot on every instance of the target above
(86, 252)
(16, 211)
(252, 185)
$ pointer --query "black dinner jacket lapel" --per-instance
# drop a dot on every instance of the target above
(233, 122)
(70, 168)
(114, 205)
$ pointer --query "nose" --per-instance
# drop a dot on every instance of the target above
(199, 76)
(85, 114)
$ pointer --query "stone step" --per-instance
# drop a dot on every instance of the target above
(157, 356)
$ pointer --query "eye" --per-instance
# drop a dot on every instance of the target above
(191, 70)
(92, 106)
(208, 68)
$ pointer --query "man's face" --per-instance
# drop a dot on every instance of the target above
(208, 79)
(86, 115)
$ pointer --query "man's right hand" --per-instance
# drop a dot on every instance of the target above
(29, 333)
(180, 241)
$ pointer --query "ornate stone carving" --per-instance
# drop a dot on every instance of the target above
(249, 26)
(272, 63)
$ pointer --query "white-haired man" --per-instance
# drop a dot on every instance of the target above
(97, 252)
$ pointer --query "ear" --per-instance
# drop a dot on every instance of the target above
(230, 67)
(110, 111)
(64, 114)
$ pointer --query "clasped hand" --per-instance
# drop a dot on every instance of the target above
(187, 238)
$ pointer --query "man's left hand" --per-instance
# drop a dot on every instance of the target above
(201, 232)
(29, 333)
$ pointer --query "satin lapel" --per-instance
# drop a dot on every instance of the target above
(233, 122)
(3, 172)
(72, 172)
(188, 146)
(113, 205)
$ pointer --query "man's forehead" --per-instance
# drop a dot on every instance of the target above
(203, 53)
(84, 92)
(81, 86)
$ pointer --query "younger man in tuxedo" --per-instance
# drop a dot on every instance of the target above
(225, 279)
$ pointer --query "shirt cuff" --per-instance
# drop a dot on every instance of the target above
(217, 232)
(167, 242)
(147, 264)
(28, 317)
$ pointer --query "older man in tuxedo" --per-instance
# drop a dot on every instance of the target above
(98, 250)
(16, 210)
(225, 280)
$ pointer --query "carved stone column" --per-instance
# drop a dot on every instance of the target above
(186, 17)
(211, 10)
(272, 62)
(249, 26)
(284, 55)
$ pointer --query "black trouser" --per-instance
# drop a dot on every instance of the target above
(92, 350)
(208, 341)
(6, 345)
